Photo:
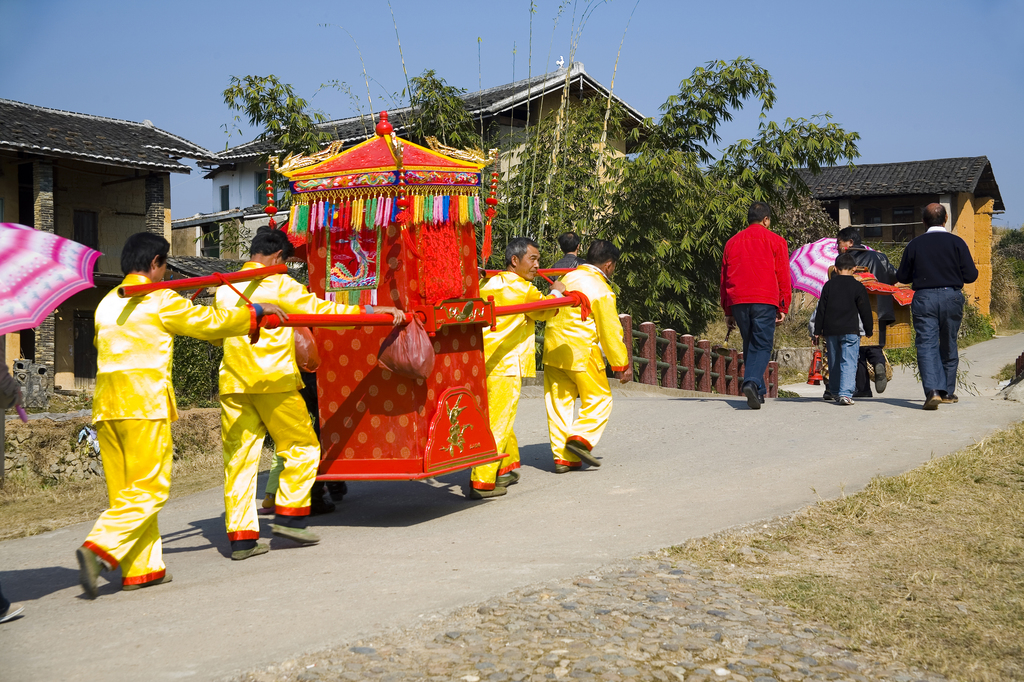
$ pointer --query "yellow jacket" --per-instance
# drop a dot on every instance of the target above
(135, 343)
(269, 366)
(509, 350)
(569, 342)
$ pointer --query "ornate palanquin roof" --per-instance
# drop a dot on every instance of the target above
(375, 155)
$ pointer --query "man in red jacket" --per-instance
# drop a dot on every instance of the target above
(756, 292)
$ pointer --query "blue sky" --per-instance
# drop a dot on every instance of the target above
(917, 79)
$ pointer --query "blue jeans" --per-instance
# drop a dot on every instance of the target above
(756, 324)
(937, 316)
(843, 352)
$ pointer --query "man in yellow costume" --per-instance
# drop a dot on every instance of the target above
(259, 392)
(574, 366)
(133, 407)
(509, 355)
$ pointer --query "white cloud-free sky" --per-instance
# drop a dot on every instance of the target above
(918, 79)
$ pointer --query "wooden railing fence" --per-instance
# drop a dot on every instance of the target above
(671, 360)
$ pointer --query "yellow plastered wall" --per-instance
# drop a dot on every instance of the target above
(981, 249)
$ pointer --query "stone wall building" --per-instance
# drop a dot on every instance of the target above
(92, 179)
(884, 201)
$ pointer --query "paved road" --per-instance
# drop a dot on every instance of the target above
(396, 552)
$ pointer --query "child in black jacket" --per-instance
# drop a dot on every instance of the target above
(842, 315)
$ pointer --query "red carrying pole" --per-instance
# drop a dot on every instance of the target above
(201, 282)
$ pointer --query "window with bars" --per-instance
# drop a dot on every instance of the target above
(872, 223)
(904, 232)
(86, 228)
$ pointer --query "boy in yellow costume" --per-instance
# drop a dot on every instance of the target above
(509, 355)
(259, 392)
(133, 407)
(574, 366)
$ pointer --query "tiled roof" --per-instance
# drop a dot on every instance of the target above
(480, 104)
(52, 132)
(935, 176)
(206, 218)
(199, 266)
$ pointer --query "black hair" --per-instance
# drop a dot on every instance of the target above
(140, 249)
(934, 215)
(849, 234)
(268, 241)
(757, 212)
(568, 242)
(518, 246)
(846, 261)
(601, 251)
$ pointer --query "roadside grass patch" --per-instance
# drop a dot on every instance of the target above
(927, 567)
(1009, 371)
(31, 504)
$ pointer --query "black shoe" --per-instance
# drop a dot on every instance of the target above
(880, 381)
(932, 400)
(580, 450)
(89, 568)
(753, 399)
(497, 491)
(950, 398)
(863, 394)
(511, 478)
(827, 396)
(138, 586)
(337, 489)
(319, 505)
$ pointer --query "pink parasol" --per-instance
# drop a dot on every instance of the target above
(809, 264)
(38, 272)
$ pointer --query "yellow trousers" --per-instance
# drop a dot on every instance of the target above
(502, 403)
(137, 456)
(561, 388)
(245, 419)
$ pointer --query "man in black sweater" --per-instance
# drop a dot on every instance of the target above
(937, 264)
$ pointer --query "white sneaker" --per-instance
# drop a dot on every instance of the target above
(11, 613)
(845, 400)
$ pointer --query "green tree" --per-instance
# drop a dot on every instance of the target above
(283, 116)
(439, 111)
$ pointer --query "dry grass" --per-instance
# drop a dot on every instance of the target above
(29, 506)
(1009, 371)
(927, 567)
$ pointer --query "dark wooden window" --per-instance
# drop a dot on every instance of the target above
(87, 231)
(84, 348)
(210, 245)
(903, 233)
(872, 223)
(261, 187)
(26, 196)
(225, 197)
(28, 344)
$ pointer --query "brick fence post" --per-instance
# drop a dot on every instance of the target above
(734, 368)
(704, 363)
(44, 211)
(718, 367)
(627, 338)
(670, 378)
(649, 374)
(686, 360)
(771, 379)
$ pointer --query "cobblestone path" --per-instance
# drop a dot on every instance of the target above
(646, 619)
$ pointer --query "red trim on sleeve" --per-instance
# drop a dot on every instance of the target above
(101, 553)
(291, 511)
(244, 535)
(620, 369)
(142, 579)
